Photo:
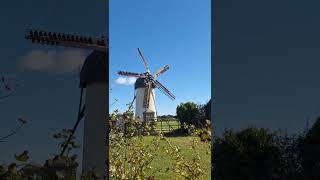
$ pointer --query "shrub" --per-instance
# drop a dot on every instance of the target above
(249, 154)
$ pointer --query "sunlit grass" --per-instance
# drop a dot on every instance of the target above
(162, 161)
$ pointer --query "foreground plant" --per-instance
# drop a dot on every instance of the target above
(22, 169)
(189, 169)
(131, 158)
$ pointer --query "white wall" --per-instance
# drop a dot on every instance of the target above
(95, 129)
(139, 102)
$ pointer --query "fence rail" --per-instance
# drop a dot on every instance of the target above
(167, 125)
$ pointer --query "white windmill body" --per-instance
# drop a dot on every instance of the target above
(145, 84)
(94, 79)
(140, 89)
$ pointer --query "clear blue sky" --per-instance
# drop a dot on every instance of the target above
(177, 33)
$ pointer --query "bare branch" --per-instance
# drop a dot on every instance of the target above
(14, 130)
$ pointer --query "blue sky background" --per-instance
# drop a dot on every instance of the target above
(47, 97)
(177, 33)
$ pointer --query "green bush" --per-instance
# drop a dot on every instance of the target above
(249, 154)
(191, 113)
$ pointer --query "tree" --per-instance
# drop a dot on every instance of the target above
(310, 152)
(290, 163)
(204, 113)
(249, 154)
(188, 113)
(207, 110)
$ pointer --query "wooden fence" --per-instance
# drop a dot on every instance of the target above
(167, 126)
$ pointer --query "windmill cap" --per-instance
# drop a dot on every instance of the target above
(94, 69)
(140, 83)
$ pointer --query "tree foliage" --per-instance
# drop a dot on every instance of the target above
(249, 154)
(310, 152)
(290, 165)
(259, 154)
(207, 110)
(190, 113)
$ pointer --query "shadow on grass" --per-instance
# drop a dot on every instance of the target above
(177, 133)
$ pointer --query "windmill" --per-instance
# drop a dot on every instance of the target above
(144, 90)
(93, 77)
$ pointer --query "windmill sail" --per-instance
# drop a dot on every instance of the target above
(164, 89)
(67, 40)
(131, 74)
(161, 71)
(143, 61)
(147, 92)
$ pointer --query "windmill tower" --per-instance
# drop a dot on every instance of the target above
(144, 111)
(144, 90)
(93, 78)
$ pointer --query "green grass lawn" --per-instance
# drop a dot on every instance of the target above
(163, 161)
